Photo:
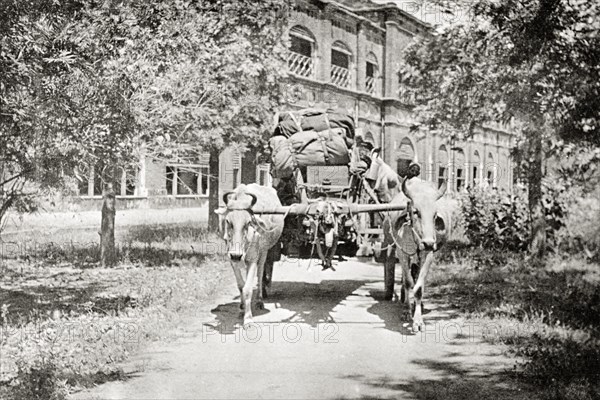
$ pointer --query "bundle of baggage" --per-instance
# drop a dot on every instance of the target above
(311, 137)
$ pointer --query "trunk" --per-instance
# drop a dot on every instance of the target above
(213, 195)
(4, 207)
(537, 244)
(107, 230)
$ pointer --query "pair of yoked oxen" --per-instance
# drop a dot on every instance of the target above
(413, 235)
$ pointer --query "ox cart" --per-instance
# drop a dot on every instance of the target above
(327, 198)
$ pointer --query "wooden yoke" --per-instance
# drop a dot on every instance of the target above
(309, 209)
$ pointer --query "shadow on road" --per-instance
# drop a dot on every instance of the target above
(311, 303)
(230, 316)
(394, 315)
(314, 303)
(448, 380)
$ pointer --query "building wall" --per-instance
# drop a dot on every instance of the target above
(385, 114)
(376, 33)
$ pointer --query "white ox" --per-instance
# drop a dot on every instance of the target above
(412, 235)
(249, 238)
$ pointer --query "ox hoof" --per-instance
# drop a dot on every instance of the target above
(242, 306)
(418, 326)
(260, 305)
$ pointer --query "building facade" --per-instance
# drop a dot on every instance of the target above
(347, 54)
(342, 54)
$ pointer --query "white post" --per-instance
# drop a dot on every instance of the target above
(141, 180)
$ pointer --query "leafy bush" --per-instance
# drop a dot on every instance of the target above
(39, 382)
(581, 230)
(495, 219)
(499, 220)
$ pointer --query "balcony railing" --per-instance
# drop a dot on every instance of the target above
(299, 64)
(340, 76)
(370, 84)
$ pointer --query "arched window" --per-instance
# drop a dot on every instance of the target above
(459, 167)
(372, 73)
(341, 58)
(442, 165)
(302, 50)
(405, 156)
(491, 170)
(475, 171)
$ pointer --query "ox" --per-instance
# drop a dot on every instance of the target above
(249, 238)
(412, 235)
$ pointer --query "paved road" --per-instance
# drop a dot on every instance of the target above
(323, 335)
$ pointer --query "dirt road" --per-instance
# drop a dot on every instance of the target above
(323, 335)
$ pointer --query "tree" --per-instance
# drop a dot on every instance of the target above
(87, 83)
(203, 75)
(530, 64)
(36, 116)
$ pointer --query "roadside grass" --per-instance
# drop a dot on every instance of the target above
(547, 313)
(66, 323)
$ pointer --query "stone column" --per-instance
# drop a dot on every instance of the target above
(467, 167)
(325, 43)
(391, 59)
(359, 59)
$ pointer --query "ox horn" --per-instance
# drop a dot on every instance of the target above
(405, 189)
(226, 197)
(254, 199)
(442, 190)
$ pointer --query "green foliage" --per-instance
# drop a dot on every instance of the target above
(548, 315)
(580, 233)
(39, 381)
(200, 75)
(534, 61)
(553, 358)
(92, 84)
(529, 64)
(576, 166)
(497, 220)
(35, 56)
(93, 319)
(494, 219)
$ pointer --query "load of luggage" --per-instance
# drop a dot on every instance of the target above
(311, 137)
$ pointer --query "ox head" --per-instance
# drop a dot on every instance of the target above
(387, 183)
(238, 224)
(430, 226)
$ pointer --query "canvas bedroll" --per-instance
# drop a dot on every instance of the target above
(310, 137)
(308, 148)
(314, 119)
